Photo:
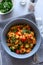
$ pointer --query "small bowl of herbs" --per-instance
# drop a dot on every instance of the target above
(6, 6)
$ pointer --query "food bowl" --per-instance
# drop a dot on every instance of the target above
(1, 13)
(15, 22)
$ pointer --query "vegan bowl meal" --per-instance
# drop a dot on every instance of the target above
(21, 39)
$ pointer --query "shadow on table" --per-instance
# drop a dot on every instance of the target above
(6, 16)
(8, 60)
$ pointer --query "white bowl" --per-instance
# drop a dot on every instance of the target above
(9, 10)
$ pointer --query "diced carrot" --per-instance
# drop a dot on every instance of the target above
(18, 33)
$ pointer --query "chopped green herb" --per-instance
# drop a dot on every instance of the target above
(12, 49)
(26, 31)
(15, 30)
(5, 6)
(13, 39)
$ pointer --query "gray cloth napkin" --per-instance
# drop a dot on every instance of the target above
(8, 60)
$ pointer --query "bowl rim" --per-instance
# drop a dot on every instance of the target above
(26, 55)
(8, 11)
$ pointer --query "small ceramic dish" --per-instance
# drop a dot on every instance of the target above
(9, 10)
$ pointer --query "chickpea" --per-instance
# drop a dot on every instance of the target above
(9, 44)
(22, 46)
(10, 34)
(12, 48)
(22, 50)
(26, 34)
(20, 36)
(17, 36)
(28, 50)
(16, 45)
(34, 41)
(12, 28)
(26, 45)
(16, 42)
(31, 45)
(32, 33)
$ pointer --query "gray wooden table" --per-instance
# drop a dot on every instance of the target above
(20, 11)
